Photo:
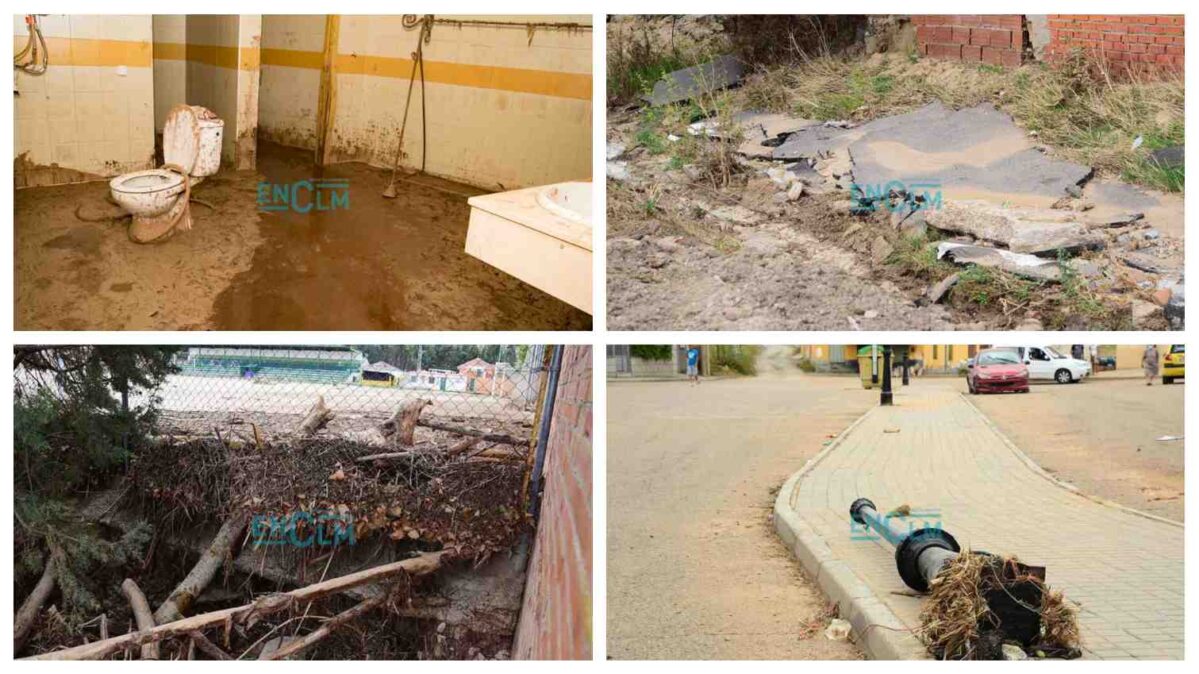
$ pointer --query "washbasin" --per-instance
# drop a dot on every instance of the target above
(541, 235)
(568, 200)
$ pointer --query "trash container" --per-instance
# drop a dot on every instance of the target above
(866, 363)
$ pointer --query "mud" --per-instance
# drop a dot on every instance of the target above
(382, 264)
(379, 265)
(75, 275)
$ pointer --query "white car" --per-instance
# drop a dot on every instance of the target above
(1045, 362)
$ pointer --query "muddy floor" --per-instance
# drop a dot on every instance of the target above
(381, 264)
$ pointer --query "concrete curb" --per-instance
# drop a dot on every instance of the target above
(1036, 468)
(880, 633)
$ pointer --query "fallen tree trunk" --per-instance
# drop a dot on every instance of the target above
(318, 417)
(28, 613)
(501, 438)
(417, 566)
(141, 615)
(464, 445)
(325, 629)
(203, 572)
(401, 427)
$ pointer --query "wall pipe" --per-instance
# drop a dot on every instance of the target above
(543, 433)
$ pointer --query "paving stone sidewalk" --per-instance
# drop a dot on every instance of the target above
(936, 452)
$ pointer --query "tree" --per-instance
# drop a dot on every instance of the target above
(74, 425)
(73, 420)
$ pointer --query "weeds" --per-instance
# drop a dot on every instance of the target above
(917, 256)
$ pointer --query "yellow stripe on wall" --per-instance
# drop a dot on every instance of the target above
(65, 51)
(292, 58)
(241, 58)
(84, 52)
(542, 82)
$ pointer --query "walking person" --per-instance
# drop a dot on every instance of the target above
(1149, 362)
(693, 364)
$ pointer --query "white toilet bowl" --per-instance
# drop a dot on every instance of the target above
(147, 193)
(191, 151)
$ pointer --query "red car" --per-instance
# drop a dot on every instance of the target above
(994, 371)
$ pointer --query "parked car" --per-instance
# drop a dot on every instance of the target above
(1174, 364)
(1045, 362)
(996, 370)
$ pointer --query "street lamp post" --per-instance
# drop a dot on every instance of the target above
(886, 397)
(907, 358)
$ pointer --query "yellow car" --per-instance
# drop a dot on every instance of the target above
(1174, 365)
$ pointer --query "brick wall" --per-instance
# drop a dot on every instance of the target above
(1123, 40)
(997, 39)
(555, 620)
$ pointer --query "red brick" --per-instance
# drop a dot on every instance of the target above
(945, 51)
(972, 53)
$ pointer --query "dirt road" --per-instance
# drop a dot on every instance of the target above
(1101, 436)
(694, 567)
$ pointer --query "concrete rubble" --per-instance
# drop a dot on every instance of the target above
(1020, 230)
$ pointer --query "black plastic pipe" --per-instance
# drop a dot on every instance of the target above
(920, 554)
(543, 433)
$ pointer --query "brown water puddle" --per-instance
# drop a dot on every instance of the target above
(379, 264)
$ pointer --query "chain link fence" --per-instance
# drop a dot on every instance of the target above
(489, 388)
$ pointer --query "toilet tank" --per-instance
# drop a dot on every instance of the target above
(208, 159)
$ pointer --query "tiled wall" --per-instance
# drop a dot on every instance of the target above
(213, 61)
(503, 112)
(292, 49)
(91, 114)
(555, 620)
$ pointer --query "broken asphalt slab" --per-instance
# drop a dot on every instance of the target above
(761, 132)
(973, 151)
(685, 84)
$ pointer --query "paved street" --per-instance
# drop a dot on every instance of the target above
(1102, 437)
(935, 452)
(695, 570)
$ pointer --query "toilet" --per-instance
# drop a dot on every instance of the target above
(158, 198)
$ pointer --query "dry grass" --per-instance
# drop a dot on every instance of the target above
(951, 618)
(957, 623)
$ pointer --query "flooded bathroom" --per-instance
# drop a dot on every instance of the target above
(307, 172)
